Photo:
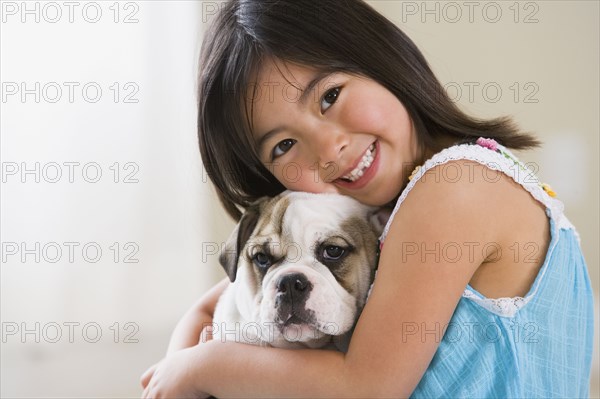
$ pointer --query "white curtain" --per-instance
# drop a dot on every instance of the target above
(116, 97)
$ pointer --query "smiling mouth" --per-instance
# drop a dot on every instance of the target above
(364, 164)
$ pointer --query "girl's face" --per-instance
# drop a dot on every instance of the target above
(336, 133)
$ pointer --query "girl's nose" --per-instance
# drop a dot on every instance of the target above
(329, 145)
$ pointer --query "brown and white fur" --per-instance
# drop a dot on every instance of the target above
(301, 266)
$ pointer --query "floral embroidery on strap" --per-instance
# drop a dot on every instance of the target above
(492, 144)
(414, 173)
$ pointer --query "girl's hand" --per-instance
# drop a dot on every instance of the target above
(193, 329)
(174, 377)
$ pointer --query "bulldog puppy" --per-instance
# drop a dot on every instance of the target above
(301, 266)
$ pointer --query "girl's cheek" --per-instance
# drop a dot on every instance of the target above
(363, 114)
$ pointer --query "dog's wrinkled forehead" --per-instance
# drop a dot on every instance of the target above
(297, 211)
(270, 221)
(294, 220)
(316, 217)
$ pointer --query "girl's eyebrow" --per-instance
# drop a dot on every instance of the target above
(267, 136)
(314, 82)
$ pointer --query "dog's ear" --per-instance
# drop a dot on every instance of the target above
(237, 240)
(379, 218)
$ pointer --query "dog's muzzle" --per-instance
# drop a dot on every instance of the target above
(292, 292)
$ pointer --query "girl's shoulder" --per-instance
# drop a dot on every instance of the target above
(481, 170)
(480, 200)
(491, 155)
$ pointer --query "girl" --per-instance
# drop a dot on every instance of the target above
(329, 96)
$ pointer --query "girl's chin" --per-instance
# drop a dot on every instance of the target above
(386, 196)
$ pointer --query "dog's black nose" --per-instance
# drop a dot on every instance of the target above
(293, 284)
(292, 292)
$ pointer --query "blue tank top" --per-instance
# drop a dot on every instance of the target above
(539, 345)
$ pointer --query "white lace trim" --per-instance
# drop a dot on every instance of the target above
(506, 307)
(521, 174)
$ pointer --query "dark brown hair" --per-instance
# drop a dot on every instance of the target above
(328, 35)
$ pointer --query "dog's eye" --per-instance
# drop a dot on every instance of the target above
(333, 252)
(262, 260)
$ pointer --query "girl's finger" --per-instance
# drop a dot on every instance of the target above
(146, 393)
(206, 334)
(145, 379)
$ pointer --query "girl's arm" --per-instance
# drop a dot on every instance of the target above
(188, 329)
(412, 301)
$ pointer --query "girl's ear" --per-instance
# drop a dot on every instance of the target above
(237, 240)
(379, 218)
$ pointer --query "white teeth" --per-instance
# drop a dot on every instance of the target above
(363, 165)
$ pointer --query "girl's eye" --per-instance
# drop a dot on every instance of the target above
(330, 98)
(282, 147)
